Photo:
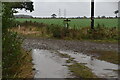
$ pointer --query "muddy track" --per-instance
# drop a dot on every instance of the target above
(76, 46)
(42, 46)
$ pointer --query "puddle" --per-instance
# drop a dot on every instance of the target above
(102, 69)
(48, 65)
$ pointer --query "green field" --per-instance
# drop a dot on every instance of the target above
(77, 23)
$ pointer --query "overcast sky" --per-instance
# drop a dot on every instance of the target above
(44, 8)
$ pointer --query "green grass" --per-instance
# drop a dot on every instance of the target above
(81, 71)
(103, 55)
(70, 60)
(77, 69)
(64, 55)
(77, 23)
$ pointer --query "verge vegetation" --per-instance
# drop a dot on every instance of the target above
(78, 70)
(100, 33)
(16, 61)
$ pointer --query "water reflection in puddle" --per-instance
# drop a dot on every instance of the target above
(102, 69)
(48, 67)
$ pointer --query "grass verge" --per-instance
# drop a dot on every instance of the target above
(78, 70)
(109, 56)
(81, 71)
(25, 70)
(63, 55)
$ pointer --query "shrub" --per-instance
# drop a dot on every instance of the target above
(56, 31)
(11, 53)
(99, 33)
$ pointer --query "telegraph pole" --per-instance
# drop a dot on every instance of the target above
(64, 13)
(92, 14)
(59, 13)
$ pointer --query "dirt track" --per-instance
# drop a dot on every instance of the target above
(76, 46)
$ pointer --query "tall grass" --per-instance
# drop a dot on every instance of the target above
(99, 33)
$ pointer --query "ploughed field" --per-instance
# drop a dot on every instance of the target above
(75, 23)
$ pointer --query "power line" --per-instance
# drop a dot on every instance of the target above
(59, 13)
(64, 13)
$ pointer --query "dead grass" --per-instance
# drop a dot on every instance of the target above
(26, 30)
(31, 31)
(64, 55)
(25, 70)
(110, 56)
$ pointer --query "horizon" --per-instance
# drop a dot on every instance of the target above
(73, 9)
(62, 16)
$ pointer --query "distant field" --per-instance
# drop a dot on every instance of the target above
(77, 23)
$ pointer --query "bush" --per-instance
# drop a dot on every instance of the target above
(56, 31)
(99, 33)
(11, 53)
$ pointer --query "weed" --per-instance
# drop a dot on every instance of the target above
(13, 57)
(99, 33)
(63, 55)
(103, 55)
(80, 71)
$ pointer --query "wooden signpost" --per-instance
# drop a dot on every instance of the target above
(66, 23)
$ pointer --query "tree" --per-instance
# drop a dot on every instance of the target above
(98, 17)
(116, 12)
(53, 15)
(103, 17)
(11, 42)
(84, 17)
(9, 9)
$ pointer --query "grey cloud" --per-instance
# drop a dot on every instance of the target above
(73, 8)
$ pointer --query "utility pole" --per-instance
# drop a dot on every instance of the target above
(59, 13)
(92, 14)
(64, 13)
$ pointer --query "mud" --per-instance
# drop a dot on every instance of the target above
(76, 46)
(76, 49)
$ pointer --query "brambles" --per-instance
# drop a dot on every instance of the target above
(56, 31)
(99, 33)
(11, 53)
(16, 62)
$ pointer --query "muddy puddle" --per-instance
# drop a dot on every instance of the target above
(102, 69)
(49, 65)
